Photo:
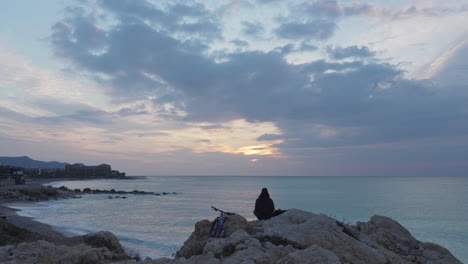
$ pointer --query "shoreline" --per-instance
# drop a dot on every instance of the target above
(50, 232)
(12, 216)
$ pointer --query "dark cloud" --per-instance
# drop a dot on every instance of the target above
(315, 104)
(93, 116)
(130, 111)
(194, 19)
(240, 43)
(268, 137)
(358, 9)
(252, 29)
(291, 48)
(339, 53)
(333, 10)
(317, 29)
(321, 8)
(307, 47)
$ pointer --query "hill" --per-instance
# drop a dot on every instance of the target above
(27, 162)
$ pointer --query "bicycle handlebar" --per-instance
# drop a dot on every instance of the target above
(219, 210)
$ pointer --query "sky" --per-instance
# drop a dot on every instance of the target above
(238, 87)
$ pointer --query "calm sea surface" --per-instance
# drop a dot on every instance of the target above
(434, 209)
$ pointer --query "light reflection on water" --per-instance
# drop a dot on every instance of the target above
(433, 209)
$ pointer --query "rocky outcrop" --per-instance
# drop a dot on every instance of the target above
(101, 247)
(45, 252)
(112, 191)
(302, 237)
(12, 235)
(295, 236)
(36, 193)
(43, 193)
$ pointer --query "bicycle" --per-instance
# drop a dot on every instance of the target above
(217, 227)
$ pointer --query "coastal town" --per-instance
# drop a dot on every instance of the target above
(16, 175)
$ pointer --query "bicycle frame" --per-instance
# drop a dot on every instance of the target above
(219, 228)
(219, 223)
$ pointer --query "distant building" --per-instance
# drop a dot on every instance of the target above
(10, 176)
(81, 170)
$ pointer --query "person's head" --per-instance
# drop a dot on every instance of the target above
(265, 193)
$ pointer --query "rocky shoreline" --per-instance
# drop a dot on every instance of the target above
(43, 193)
(294, 237)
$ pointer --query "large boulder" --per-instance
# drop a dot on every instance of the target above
(195, 244)
(303, 237)
(389, 234)
(104, 239)
(304, 229)
(101, 247)
(46, 252)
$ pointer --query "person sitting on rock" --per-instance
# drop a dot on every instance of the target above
(264, 206)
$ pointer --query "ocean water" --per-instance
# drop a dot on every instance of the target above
(434, 209)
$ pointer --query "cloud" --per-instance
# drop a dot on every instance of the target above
(315, 104)
(339, 53)
(332, 9)
(321, 8)
(240, 43)
(451, 68)
(307, 47)
(94, 116)
(267, 1)
(268, 137)
(252, 29)
(210, 127)
(316, 29)
(194, 19)
(149, 134)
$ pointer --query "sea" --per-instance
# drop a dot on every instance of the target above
(433, 209)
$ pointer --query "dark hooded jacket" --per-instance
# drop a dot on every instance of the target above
(264, 206)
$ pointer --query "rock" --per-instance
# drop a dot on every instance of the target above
(196, 242)
(295, 236)
(101, 247)
(310, 255)
(247, 255)
(104, 239)
(389, 234)
(225, 246)
(235, 222)
(298, 236)
(46, 252)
